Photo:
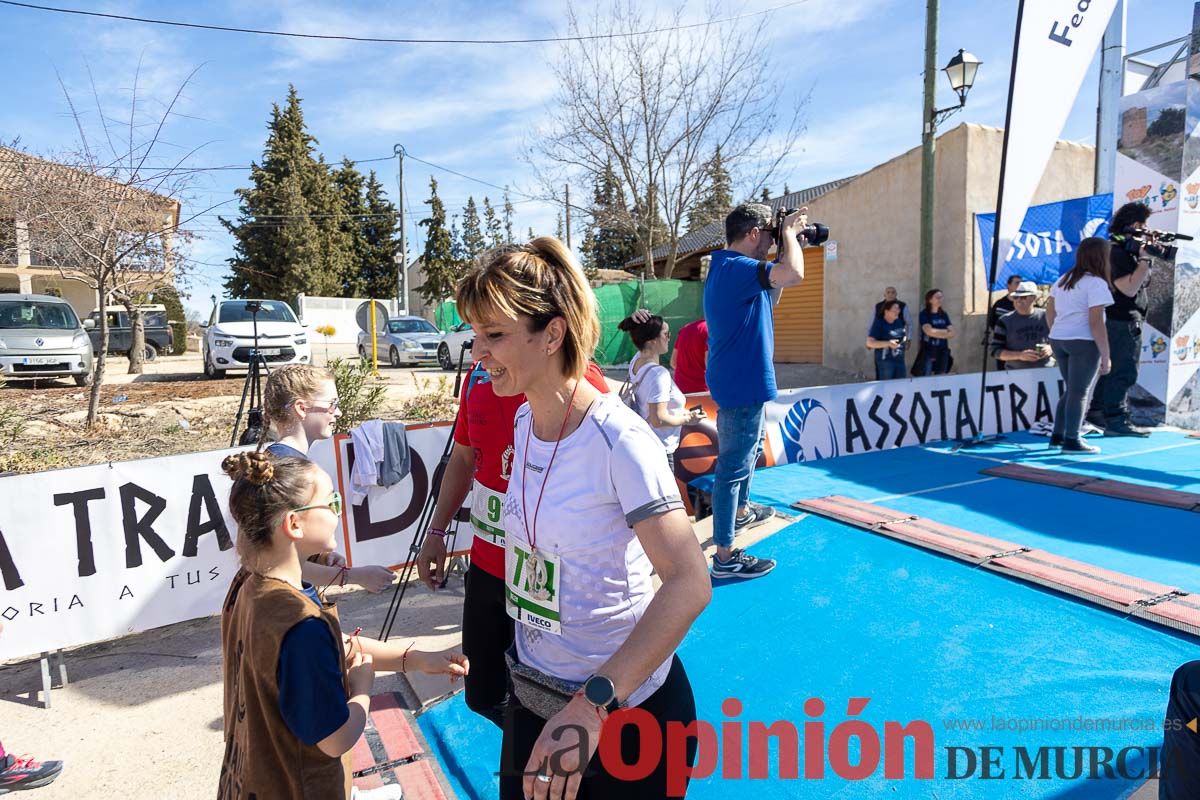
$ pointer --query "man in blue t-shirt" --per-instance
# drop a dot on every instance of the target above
(888, 337)
(739, 295)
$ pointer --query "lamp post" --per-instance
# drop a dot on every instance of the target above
(961, 72)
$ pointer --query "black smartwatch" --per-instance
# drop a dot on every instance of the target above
(601, 692)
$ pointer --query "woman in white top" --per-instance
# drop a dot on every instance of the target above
(590, 513)
(659, 400)
(1075, 314)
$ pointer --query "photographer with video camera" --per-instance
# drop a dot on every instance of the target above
(739, 295)
(1130, 254)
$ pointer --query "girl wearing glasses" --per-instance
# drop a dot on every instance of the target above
(297, 690)
(300, 402)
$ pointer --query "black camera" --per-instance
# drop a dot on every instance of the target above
(814, 232)
(253, 306)
(1137, 241)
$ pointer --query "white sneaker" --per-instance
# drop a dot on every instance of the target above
(389, 792)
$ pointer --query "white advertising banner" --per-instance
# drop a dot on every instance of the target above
(381, 528)
(1055, 45)
(829, 421)
(96, 552)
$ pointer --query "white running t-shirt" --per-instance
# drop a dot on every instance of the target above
(609, 473)
(653, 384)
(1071, 307)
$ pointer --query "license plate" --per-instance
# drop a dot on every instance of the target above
(269, 351)
(32, 360)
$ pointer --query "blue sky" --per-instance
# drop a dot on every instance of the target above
(472, 107)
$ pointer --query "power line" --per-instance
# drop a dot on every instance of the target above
(346, 38)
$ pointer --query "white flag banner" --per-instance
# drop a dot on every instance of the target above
(1055, 44)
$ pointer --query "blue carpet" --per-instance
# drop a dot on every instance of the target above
(850, 614)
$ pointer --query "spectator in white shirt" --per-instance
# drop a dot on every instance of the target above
(1079, 339)
(659, 401)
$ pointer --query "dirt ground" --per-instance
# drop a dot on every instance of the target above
(172, 408)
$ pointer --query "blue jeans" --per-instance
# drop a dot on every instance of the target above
(739, 430)
(888, 369)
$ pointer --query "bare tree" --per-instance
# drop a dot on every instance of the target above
(107, 216)
(656, 106)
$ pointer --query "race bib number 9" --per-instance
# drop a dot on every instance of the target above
(487, 511)
(531, 584)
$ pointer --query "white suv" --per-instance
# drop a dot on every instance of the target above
(229, 336)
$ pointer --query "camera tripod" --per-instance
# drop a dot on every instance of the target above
(418, 540)
(252, 391)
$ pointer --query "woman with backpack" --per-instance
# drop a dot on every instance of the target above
(650, 390)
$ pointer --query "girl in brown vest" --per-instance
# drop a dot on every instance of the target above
(297, 690)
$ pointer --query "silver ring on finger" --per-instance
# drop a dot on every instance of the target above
(544, 778)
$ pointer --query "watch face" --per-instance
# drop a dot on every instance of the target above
(599, 691)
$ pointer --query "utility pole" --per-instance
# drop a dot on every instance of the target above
(402, 276)
(928, 132)
(568, 187)
(1108, 109)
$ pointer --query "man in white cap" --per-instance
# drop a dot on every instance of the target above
(1021, 338)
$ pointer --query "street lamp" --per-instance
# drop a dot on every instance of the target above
(961, 72)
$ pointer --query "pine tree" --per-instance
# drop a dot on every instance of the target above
(558, 228)
(379, 267)
(472, 236)
(717, 201)
(786, 190)
(766, 196)
(606, 245)
(491, 225)
(532, 236)
(508, 219)
(456, 245)
(287, 237)
(441, 270)
(349, 183)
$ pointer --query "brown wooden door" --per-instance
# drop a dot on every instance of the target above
(800, 315)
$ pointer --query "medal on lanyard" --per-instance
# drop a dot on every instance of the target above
(535, 568)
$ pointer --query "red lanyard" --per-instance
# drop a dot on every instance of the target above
(532, 528)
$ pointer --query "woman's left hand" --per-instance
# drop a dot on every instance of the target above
(556, 754)
(335, 559)
(453, 664)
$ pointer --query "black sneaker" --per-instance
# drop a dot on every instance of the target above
(741, 565)
(1078, 446)
(1096, 419)
(17, 774)
(1123, 428)
(755, 515)
(1055, 440)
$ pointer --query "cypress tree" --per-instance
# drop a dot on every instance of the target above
(472, 235)
(441, 269)
(381, 242)
(491, 225)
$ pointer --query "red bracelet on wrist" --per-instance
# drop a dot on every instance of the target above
(404, 658)
(438, 532)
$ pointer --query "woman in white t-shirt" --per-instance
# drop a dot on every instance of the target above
(659, 400)
(591, 512)
(1075, 314)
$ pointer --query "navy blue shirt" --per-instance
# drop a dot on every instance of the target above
(312, 697)
(741, 330)
(884, 331)
(939, 320)
(281, 450)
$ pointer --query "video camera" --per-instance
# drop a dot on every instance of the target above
(814, 232)
(1137, 240)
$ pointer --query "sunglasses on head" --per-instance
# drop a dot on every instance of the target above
(334, 504)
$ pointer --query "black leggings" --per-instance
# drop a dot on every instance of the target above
(673, 702)
(1180, 776)
(487, 631)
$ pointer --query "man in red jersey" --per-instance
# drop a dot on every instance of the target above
(483, 449)
(691, 357)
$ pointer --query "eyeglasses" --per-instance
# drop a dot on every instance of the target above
(331, 408)
(334, 504)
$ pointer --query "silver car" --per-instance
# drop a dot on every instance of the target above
(40, 337)
(408, 341)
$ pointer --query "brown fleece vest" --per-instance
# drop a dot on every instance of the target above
(263, 759)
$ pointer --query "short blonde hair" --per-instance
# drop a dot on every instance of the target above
(290, 383)
(540, 280)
